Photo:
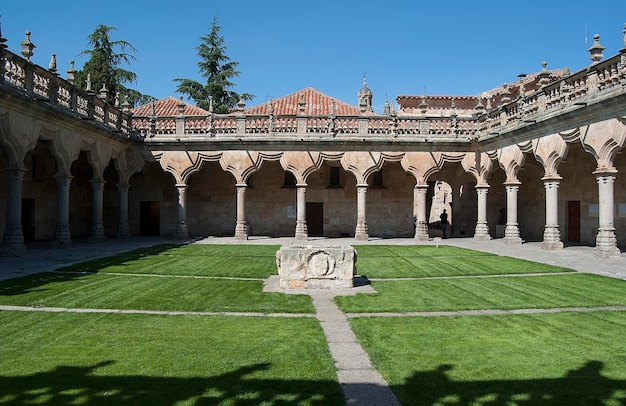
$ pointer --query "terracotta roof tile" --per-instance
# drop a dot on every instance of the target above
(316, 104)
(168, 107)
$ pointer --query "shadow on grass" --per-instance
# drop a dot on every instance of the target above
(583, 386)
(85, 386)
(34, 283)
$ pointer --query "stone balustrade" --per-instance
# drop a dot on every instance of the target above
(32, 80)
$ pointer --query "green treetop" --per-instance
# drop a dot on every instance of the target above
(218, 70)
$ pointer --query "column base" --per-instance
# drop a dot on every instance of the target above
(551, 239)
(13, 245)
(482, 232)
(302, 231)
(62, 237)
(181, 232)
(123, 232)
(511, 235)
(97, 234)
(360, 233)
(241, 230)
(606, 245)
(421, 231)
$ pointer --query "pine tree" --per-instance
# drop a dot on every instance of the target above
(218, 70)
(104, 67)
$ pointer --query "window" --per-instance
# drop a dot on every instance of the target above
(334, 177)
(290, 180)
(377, 179)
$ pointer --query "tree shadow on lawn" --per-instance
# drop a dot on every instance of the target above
(80, 386)
(583, 386)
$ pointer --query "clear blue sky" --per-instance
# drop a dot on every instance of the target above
(446, 47)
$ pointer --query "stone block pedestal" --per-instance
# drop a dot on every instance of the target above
(316, 267)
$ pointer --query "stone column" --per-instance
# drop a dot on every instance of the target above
(551, 233)
(13, 244)
(97, 226)
(302, 231)
(482, 229)
(421, 222)
(62, 238)
(181, 226)
(241, 229)
(360, 234)
(511, 232)
(606, 242)
(123, 229)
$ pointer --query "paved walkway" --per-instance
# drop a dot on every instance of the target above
(361, 383)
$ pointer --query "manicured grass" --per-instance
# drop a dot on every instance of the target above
(423, 261)
(253, 261)
(571, 290)
(556, 359)
(116, 359)
(148, 293)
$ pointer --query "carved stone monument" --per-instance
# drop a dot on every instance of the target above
(316, 267)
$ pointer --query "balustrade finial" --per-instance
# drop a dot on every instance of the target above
(2, 39)
(596, 50)
(52, 66)
(624, 31)
(88, 84)
(71, 72)
(27, 46)
(104, 92)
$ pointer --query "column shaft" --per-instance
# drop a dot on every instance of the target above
(13, 244)
(482, 229)
(182, 232)
(421, 223)
(241, 228)
(62, 237)
(606, 241)
(360, 233)
(511, 232)
(302, 231)
(551, 233)
(123, 229)
(97, 226)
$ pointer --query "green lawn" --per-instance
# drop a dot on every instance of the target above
(523, 292)
(144, 359)
(423, 261)
(56, 289)
(538, 359)
(116, 359)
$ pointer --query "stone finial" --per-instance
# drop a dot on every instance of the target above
(522, 88)
(544, 76)
(88, 84)
(52, 66)
(71, 72)
(126, 105)
(301, 104)
(271, 108)
(386, 107)
(332, 107)
(480, 106)
(180, 106)
(506, 94)
(104, 92)
(27, 46)
(566, 72)
(241, 105)
(2, 39)
(596, 50)
(153, 109)
(211, 104)
(117, 99)
(423, 105)
(624, 31)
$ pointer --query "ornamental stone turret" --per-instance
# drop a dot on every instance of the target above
(365, 98)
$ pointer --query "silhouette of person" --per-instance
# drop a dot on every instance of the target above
(444, 223)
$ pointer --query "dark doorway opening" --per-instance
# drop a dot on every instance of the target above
(573, 221)
(150, 218)
(28, 219)
(315, 219)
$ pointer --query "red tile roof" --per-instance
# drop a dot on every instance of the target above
(168, 107)
(316, 104)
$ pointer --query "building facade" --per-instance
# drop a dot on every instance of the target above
(535, 160)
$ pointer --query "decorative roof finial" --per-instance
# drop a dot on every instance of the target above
(596, 50)
(27, 46)
(52, 66)
(3, 40)
(104, 92)
(71, 72)
(544, 76)
(624, 31)
(88, 85)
